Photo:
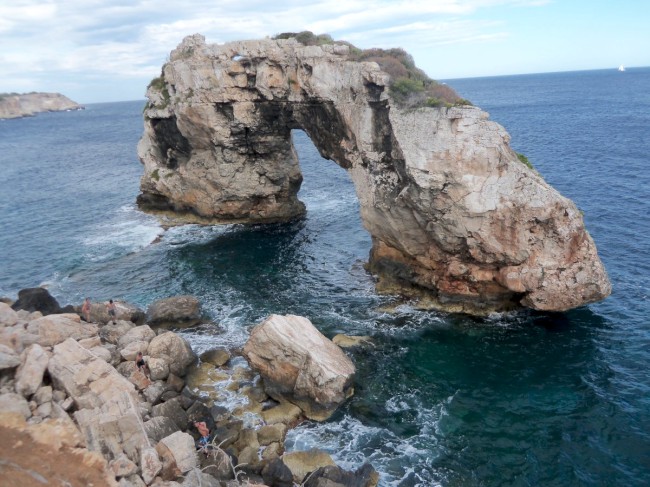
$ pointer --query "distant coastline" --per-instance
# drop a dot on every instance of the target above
(16, 105)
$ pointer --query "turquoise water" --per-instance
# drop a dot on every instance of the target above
(523, 399)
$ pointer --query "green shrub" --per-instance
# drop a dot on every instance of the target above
(524, 160)
(160, 85)
(155, 175)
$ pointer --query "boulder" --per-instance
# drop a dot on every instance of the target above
(302, 463)
(131, 350)
(271, 433)
(30, 373)
(43, 395)
(177, 309)
(196, 477)
(9, 359)
(123, 312)
(332, 475)
(102, 353)
(172, 409)
(159, 427)
(276, 473)
(14, 403)
(159, 368)
(154, 391)
(351, 341)
(37, 299)
(178, 455)
(89, 380)
(8, 317)
(300, 364)
(216, 357)
(173, 349)
(142, 333)
(54, 329)
(112, 333)
(150, 464)
(122, 466)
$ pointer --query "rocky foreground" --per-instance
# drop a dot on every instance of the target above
(16, 105)
(75, 409)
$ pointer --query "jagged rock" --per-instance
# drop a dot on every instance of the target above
(9, 359)
(150, 464)
(216, 357)
(303, 462)
(14, 403)
(173, 349)
(196, 477)
(8, 317)
(54, 329)
(160, 427)
(178, 455)
(334, 476)
(177, 309)
(300, 364)
(30, 373)
(284, 412)
(122, 466)
(456, 219)
(36, 299)
(154, 392)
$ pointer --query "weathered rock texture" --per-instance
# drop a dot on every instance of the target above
(454, 216)
(16, 105)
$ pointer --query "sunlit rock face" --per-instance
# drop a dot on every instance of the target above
(456, 219)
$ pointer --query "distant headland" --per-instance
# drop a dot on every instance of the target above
(16, 105)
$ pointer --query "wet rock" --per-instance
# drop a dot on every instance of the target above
(271, 433)
(216, 357)
(177, 309)
(330, 476)
(302, 463)
(347, 341)
(276, 473)
(36, 299)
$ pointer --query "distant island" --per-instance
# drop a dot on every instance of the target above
(16, 105)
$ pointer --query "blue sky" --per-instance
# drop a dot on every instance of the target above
(109, 50)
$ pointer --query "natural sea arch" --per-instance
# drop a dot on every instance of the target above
(456, 220)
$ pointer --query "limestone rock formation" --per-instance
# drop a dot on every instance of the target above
(456, 219)
(14, 105)
(299, 364)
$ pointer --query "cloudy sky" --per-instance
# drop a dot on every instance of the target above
(108, 50)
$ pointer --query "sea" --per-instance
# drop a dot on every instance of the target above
(519, 399)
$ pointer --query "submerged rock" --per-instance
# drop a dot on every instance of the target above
(456, 219)
(300, 364)
(174, 310)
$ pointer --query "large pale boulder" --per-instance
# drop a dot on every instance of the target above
(300, 364)
(30, 373)
(113, 332)
(53, 329)
(178, 455)
(123, 312)
(174, 350)
(456, 219)
(177, 309)
(9, 359)
(8, 317)
(142, 333)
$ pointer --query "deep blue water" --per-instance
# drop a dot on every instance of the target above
(524, 399)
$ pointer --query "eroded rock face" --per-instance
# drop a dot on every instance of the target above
(456, 219)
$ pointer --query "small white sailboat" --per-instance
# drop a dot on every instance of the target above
(621, 68)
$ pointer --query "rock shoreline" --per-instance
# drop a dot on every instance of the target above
(79, 410)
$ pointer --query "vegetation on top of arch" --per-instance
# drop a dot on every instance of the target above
(410, 87)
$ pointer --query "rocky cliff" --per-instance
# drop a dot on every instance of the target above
(28, 104)
(456, 219)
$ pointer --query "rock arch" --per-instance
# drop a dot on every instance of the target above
(456, 220)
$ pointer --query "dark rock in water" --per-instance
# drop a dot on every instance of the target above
(68, 308)
(177, 309)
(216, 357)
(332, 476)
(227, 431)
(37, 299)
(276, 473)
(219, 413)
